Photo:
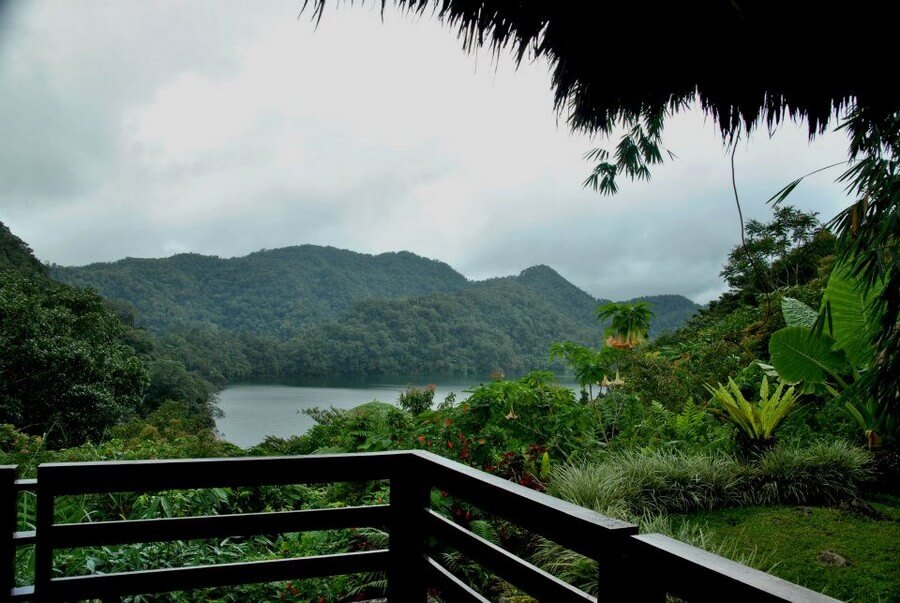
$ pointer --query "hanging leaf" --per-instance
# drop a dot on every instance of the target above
(854, 318)
(799, 354)
(785, 192)
(798, 314)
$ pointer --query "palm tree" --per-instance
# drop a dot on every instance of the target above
(629, 326)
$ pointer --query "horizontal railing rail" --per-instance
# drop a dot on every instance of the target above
(631, 566)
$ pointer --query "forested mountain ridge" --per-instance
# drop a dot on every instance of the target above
(16, 255)
(499, 324)
(282, 293)
(274, 293)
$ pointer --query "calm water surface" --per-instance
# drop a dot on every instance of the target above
(252, 411)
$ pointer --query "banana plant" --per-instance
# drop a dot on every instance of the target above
(757, 421)
(831, 351)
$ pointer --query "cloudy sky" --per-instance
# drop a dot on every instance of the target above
(147, 129)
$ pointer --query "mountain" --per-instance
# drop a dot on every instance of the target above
(311, 310)
(670, 312)
(274, 293)
(499, 324)
(16, 255)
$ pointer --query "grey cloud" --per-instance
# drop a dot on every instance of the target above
(147, 129)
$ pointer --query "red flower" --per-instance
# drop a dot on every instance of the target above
(421, 438)
(448, 422)
(449, 444)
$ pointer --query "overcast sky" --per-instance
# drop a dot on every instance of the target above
(147, 129)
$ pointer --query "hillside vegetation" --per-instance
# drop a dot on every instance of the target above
(312, 310)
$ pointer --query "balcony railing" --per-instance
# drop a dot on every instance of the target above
(631, 566)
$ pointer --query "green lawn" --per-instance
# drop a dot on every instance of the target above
(789, 540)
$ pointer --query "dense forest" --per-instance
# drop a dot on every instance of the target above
(71, 368)
(312, 310)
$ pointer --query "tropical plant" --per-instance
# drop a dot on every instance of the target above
(833, 351)
(590, 366)
(757, 422)
(629, 323)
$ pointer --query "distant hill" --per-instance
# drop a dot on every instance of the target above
(320, 310)
(670, 312)
(500, 324)
(16, 255)
(273, 293)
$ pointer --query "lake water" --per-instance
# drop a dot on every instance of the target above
(252, 411)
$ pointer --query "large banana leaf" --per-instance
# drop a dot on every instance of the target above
(853, 321)
(798, 314)
(799, 354)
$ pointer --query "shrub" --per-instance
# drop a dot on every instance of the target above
(416, 400)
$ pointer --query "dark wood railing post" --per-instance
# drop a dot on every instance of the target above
(410, 497)
(624, 577)
(9, 517)
(43, 548)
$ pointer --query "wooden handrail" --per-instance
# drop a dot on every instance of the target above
(632, 567)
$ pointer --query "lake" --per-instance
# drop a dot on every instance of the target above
(252, 411)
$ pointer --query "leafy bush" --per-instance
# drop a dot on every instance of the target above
(416, 400)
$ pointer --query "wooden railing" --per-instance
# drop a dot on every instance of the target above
(632, 567)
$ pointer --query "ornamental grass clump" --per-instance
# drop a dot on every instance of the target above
(637, 483)
(825, 472)
(659, 481)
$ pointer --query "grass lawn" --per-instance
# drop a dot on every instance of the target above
(790, 540)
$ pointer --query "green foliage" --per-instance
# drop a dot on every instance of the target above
(273, 293)
(826, 472)
(318, 311)
(416, 400)
(798, 314)
(837, 354)
(792, 540)
(65, 372)
(629, 323)
(852, 315)
(783, 252)
(590, 366)
(799, 355)
(640, 482)
(16, 256)
(757, 421)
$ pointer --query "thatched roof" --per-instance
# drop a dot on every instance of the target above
(747, 61)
